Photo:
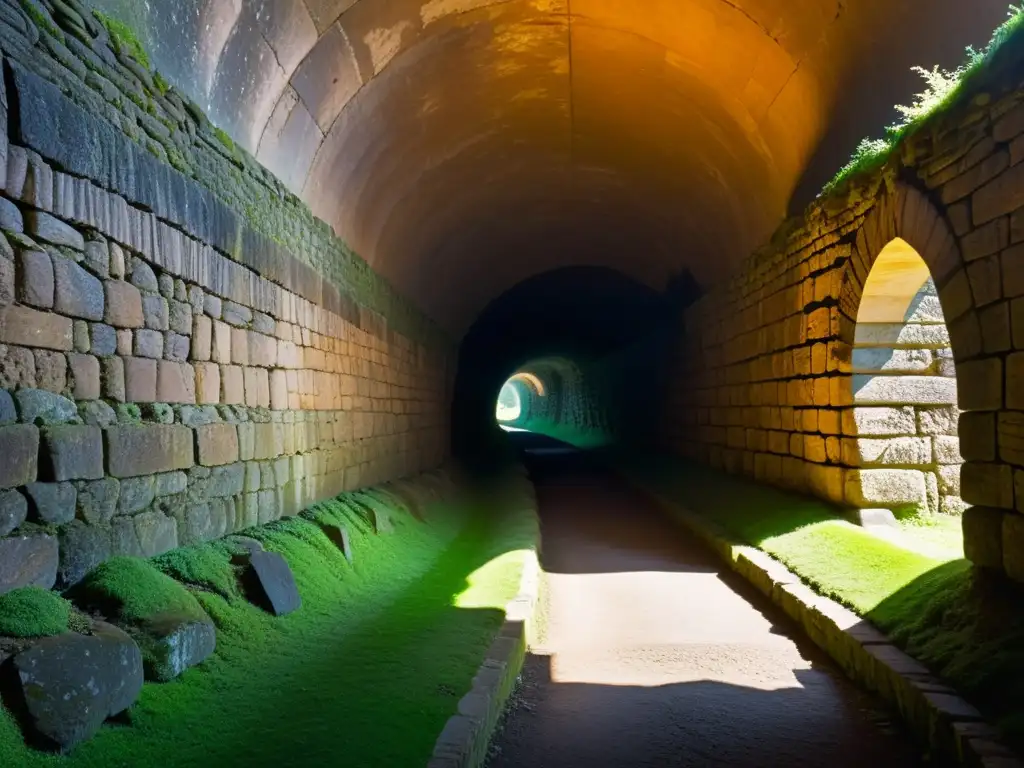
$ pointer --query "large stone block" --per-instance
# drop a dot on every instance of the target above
(71, 683)
(983, 536)
(35, 279)
(123, 305)
(176, 382)
(207, 383)
(980, 384)
(13, 511)
(52, 503)
(82, 548)
(987, 485)
(85, 376)
(888, 488)
(19, 447)
(216, 444)
(271, 584)
(96, 502)
(78, 293)
(31, 328)
(896, 451)
(899, 390)
(28, 561)
(878, 422)
(73, 452)
(147, 449)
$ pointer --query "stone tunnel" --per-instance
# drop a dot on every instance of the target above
(260, 253)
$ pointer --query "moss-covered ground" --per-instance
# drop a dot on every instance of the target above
(968, 628)
(366, 673)
(33, 612)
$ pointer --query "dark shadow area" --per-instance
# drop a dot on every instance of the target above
(704, 722)
(584, 314)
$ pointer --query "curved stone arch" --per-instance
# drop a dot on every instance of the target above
(905, 214)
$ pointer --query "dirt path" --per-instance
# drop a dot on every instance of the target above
(655, 657)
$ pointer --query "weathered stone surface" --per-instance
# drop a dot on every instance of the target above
(143, 277)
(897, 451)
(28, 561)
(938, 421)
(43, 226)
(148, 449)
(174, 643)
(97, 500)
(137, 493)
(176, 347)
(102, 339)
(8, 413)
(51, 370)
(171, 483)
(271, 584)
(82, 548)
(156, 533)
(72, 683)
(52, 503)
(899, 390)
(879, 421)
(983, 536)
(8, 291)
(112, 379)
(176, 382)
(30, 328)
(35, 281)
(154, 312)
(149, 343)
(19, 447)
(339, 536)
(235, 314)
(78, 293)
(13, 511)
(889, 488)
(73, 452)
(140, 380)
(85, 376)
(216, 444)
(180, 318)
(38, 406)
(987, 485)
(123, 305)
(97, 257)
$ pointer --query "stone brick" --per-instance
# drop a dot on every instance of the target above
(947, 450)
(80, 337)
(113, 381)
(143, 277)
(149, 343)
(35, 281)
(879, 421)
(102, 339)
(51, 371)
(123, 305)
(232, 382)
(176, 347)
(985, 276)
(987, 485)
(85, 377)
(147, 449)
(17, 367)
(925, 390)
(72, 453)
(1012, 263)
(1013, 546)
(278, 390)
(212, 306)
(156, 533)
(235, 314)
(207, 383)
(19, 446)
(154, 312)
(43, 226)
(257, 388)
(97, 257)
(180, 317)
(995, 328)
(262, 350)
(986, 239)
(137, 493)
(78, 293)
(28, 561)
(239, 346)
(140, 378)
(31, 328)
(8, 292)
(96, 503)
(117, 262)
(978, 436)
(52, 503)
(216, 444)
(981, 385)
(202, 338)
(1000, 196)
(82, 548)
(983, 537)
(221, 352)
(125, 347)
(888, 488)
(1015, 381)
(13, 511)
(896, 451)
(176, 382)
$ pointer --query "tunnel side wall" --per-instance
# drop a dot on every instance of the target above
(185, 351)
(763, 381)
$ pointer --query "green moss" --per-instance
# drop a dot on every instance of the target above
(132, 590)
(206, 566)
(376, 658)
(161, 84)
(33, 612)
(41, 20)
(125, 40)
(943, 90)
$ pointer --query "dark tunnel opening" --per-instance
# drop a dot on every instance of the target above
(591, 332)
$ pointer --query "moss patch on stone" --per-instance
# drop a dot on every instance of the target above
(124, 38)
(206, 567)
(33, 612)
(374, 663)
(131, 590)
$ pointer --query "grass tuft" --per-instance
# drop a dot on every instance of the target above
(33, 612)
(124, 38)
(128, 589)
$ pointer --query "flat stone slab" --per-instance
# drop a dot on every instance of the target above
(271, 584)
(72, 683)
(28, 561)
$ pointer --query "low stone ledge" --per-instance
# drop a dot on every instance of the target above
(466, 737)
(951, 727)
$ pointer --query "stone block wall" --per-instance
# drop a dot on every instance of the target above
(763, 381)
(167, 375)
(905, 412)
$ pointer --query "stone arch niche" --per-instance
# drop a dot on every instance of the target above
(904, 391)
(911, 342)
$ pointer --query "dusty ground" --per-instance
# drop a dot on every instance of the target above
(655, 657)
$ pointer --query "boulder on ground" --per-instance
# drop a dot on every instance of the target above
(175, 642)
(71, 683)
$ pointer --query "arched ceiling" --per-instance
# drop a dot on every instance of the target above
(461, 146)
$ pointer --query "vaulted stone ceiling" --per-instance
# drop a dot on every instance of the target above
(461, 146)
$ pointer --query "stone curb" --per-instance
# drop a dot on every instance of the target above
(954, 730)
(466, 737)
